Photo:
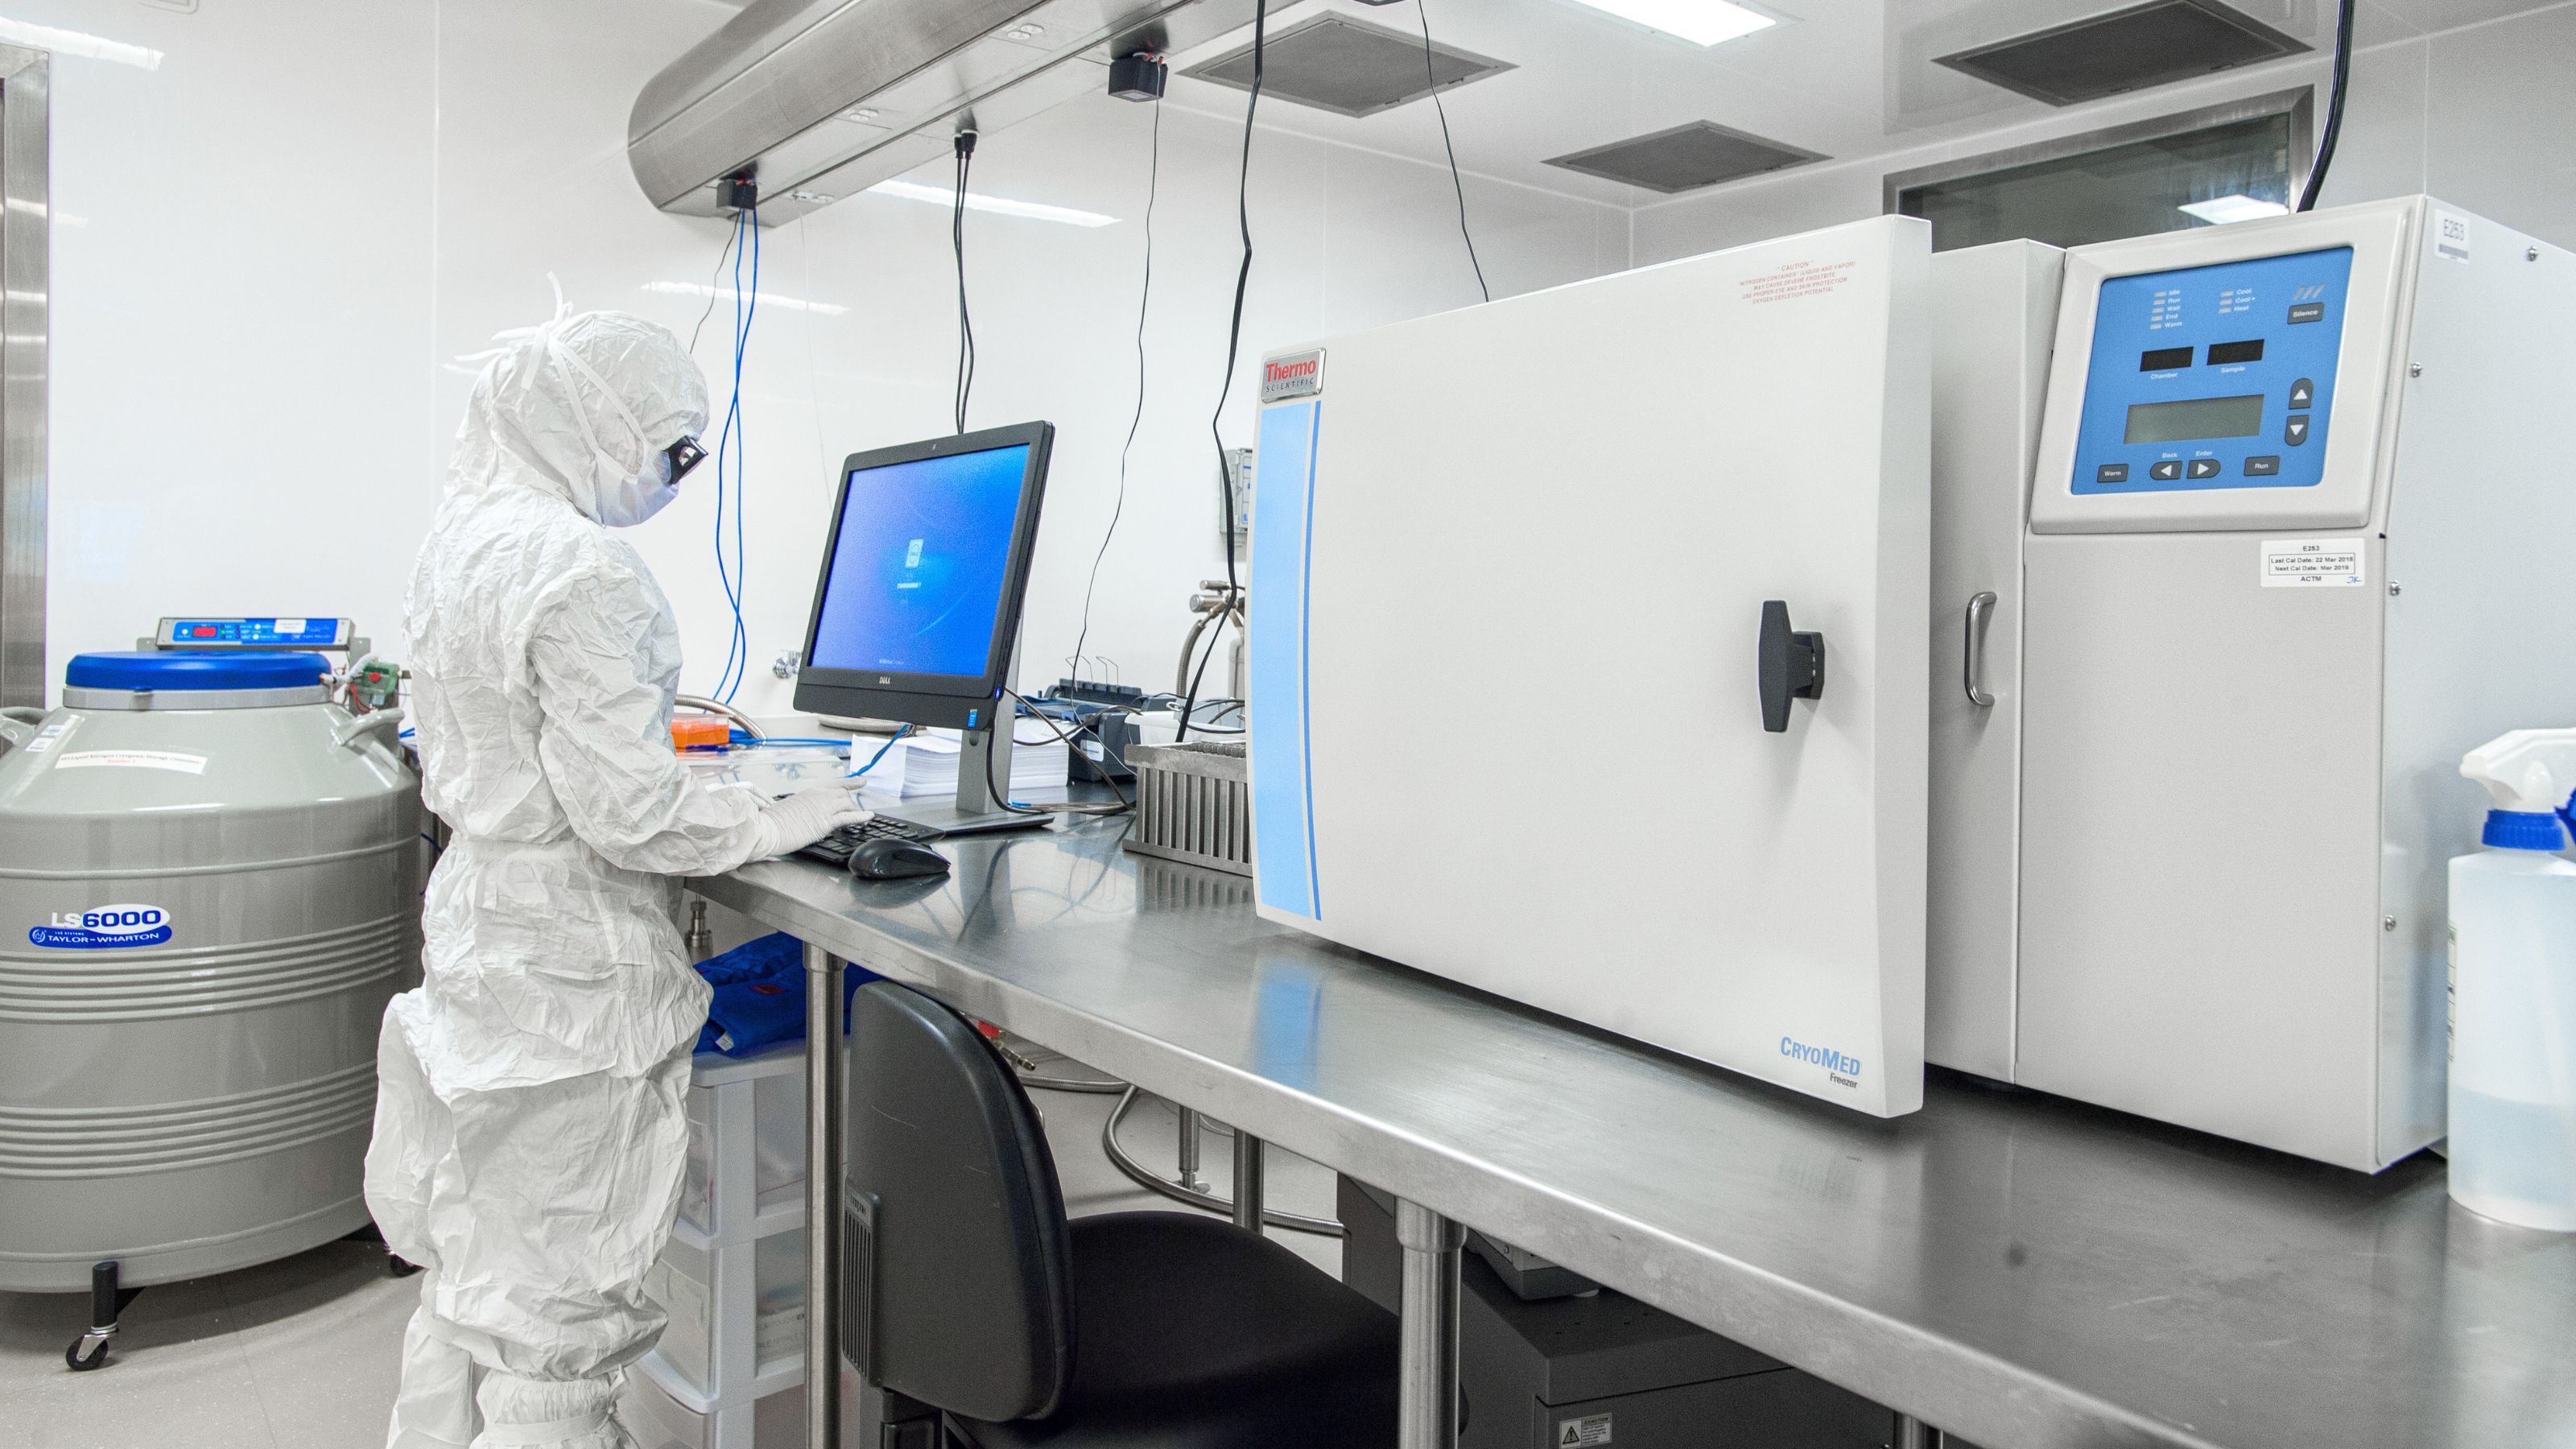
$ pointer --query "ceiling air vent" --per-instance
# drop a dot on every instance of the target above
(1335, 63)
(2124, 50)
(1685, 158)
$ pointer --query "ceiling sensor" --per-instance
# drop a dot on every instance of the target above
(1350, 67)
(2124, 50)
(1686, 158)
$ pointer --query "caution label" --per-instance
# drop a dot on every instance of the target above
(1578, 1433)
(2312, 563)
(172, 760)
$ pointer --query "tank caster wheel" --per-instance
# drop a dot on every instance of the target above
(107, 1299)
(397, 1266)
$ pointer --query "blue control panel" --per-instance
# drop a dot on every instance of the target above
(252, 633)
(2214, 377)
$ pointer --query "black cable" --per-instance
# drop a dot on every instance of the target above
(2334, 107)
(1049, 721)
(1190, 701)
(1422, 8)
(1002, 797)
(1144, 297)
(713, 291)
(957, 239)
(1234, 330)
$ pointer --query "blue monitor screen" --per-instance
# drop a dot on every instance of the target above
(918, 570)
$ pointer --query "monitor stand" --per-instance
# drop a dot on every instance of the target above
(975, 811)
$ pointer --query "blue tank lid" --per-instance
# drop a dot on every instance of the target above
(160, 669)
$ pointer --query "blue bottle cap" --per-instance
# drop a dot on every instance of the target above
(2523, 830)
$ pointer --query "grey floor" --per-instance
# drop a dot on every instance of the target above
(302, 1354)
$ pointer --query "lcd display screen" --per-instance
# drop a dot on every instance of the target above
(2164, 359)
(2202, 417)
(918, 569)
(2223, 353)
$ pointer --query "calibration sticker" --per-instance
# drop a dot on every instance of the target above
(1581, 1433)
(103, 928)
(2309, 563)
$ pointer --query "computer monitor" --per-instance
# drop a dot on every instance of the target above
(919, 600)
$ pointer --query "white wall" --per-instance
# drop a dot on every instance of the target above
(268, 251)
(240, 316)
(272, 248)
(2480, 115)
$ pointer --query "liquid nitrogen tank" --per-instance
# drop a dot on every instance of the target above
(209, 888)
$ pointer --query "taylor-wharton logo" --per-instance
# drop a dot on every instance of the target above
(103, 928)
(1845, 1071)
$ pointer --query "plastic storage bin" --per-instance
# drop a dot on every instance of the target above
(733, 1278)
(658, 1421)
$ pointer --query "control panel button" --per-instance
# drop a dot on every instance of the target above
(2204, 467)
(2303, 393)
(2267, 466)
(2308, 312)
(2295, 431)
(2167, 471)
(2111, 473)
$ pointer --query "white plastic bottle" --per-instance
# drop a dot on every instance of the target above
(2513, 990)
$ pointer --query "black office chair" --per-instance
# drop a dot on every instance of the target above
(967, 1289)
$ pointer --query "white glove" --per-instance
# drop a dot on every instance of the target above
(807, 816)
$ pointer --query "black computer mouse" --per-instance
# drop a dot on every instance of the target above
(893, 858)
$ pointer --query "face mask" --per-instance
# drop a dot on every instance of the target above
(638, 498)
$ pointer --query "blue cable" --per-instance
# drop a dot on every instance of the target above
(724, 449)
(741, 646)
(881, 752)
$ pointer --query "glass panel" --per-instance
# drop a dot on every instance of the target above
(2119, 191)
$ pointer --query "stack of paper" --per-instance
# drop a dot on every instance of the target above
(925, 763)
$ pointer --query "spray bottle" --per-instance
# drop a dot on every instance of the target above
(2513, 989)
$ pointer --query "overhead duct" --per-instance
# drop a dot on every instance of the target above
(817, 99)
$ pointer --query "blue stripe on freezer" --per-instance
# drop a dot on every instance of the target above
(1283, 512)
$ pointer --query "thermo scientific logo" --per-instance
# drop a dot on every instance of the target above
(1299, 374)
(1845, 1071)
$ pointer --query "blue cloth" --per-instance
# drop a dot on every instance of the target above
(760, 995)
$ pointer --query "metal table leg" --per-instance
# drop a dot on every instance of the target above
(1913, 1433)
(1427, 1373)
(822, 1194)
(1251, 1169)
(1186, 1150)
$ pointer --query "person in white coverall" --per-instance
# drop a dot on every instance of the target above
(530, 1132)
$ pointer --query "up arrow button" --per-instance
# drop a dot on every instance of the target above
(2303, 393)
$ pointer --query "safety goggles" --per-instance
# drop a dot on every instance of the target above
(680, 457)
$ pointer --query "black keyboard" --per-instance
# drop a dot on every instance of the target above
(835, 848)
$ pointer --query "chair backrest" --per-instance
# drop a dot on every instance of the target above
(962, 1298)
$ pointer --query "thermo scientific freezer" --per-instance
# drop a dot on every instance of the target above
(1688, 505)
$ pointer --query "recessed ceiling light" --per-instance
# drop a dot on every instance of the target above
(73, 42)
(765, 299)
(2224, 209)
(861, 114)
(1034, 211)
(1702, 22)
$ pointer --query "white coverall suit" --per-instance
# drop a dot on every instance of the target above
(530, 1134)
